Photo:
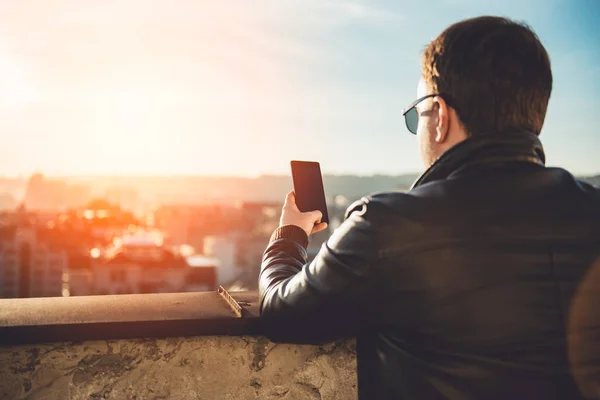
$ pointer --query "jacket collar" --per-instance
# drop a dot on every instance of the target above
(485, 149)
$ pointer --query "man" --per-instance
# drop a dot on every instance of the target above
(461, 287)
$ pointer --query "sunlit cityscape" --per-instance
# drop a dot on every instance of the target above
(146, 148)
(60, 239)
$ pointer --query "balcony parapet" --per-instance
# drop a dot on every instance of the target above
(159, 346)
(59, 319)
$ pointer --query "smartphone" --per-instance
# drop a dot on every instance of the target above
(308, 187)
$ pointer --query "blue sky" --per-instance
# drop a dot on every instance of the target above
(240, 88)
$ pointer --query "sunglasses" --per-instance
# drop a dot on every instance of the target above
(411, 114)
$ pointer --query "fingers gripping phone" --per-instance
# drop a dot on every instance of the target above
(308, 187)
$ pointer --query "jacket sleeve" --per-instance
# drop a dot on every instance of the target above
(333, 297)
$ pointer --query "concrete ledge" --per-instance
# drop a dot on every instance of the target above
(151, 358)
(205, 367)
(59, 319)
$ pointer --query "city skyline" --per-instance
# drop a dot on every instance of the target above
(233, 89)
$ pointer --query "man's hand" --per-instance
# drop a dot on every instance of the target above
(310, 221)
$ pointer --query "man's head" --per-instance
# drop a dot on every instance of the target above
(491, 74)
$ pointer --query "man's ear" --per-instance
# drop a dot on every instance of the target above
(443, 120)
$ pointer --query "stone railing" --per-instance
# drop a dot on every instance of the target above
(159, 346)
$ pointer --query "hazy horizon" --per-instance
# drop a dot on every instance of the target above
(130, 88)
(217, 176)
(142, 176)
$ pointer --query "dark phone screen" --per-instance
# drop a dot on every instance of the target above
(308, 187)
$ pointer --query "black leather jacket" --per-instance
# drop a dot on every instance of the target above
(457, 289)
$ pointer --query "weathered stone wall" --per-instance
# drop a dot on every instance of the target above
(208, 367)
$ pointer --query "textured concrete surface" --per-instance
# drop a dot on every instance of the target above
(202, 367)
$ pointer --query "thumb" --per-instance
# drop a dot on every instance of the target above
(290, 197)
(319, 227)
(316, 216)
(290, 201)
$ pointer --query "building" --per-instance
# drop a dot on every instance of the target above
(223, 248)
(79, 280)
(250, 248)
(30, 267)
(105, 221)
(138, 264)
(141, 263)
(202, 273)
(42, 193)
(127, 197)
(60, 244)
(191, 224)
(7, 201)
